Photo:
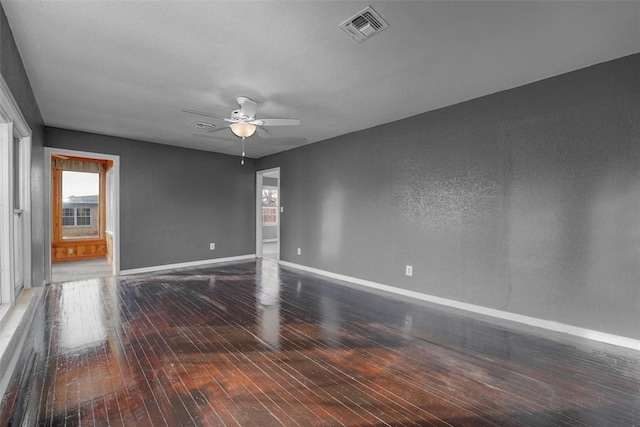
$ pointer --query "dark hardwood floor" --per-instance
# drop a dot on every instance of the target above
(255, 344)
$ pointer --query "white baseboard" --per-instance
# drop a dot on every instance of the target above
(604, 337)
(186, 264)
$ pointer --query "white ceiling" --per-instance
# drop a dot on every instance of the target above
(128, 68)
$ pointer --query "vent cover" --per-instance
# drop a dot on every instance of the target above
(363, 25)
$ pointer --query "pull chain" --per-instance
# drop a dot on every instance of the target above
(242, 161)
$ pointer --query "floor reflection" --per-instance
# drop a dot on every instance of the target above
(268, 304)
(408, 325)
(81, 315)
(330, 320)
(270, 250)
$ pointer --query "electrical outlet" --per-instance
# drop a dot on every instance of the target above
(299, 251)
(281, 209)
(408, 270)
(212, 246)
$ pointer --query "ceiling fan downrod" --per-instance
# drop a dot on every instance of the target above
(242, 161)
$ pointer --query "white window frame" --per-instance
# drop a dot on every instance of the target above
(13, 125)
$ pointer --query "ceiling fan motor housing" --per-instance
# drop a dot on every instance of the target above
(235, 115)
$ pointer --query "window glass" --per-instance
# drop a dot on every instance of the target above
(17, 202)
(83, 216)
(68, 216)
(80, 205)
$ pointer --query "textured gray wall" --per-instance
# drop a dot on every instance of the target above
(174, 201)
(16, 78)
(526, 200)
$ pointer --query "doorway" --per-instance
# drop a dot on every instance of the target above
(268, 214)
(83, 215)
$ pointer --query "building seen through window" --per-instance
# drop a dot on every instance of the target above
(80, 205)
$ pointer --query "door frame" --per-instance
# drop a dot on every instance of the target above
(13, 125)
(115, 205)
(259, 175)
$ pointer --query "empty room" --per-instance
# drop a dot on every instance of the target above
(319, 213)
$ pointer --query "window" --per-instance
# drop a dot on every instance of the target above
(80, 204)
(83, 216)
(78, 208)
(68, 216)
(80, 217)
(15, 199)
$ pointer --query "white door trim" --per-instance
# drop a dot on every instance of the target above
(10, 112)
(48, 152)
(259, 176)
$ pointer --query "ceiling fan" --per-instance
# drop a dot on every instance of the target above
(243, 121)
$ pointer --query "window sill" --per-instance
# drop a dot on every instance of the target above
(14, 325)
(5, 309)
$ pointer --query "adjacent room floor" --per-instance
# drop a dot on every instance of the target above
(80, 270)
(256, 344)
(270, 250)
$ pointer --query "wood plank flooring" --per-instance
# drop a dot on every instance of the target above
(256, 344)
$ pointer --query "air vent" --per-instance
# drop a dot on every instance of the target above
(363, 25)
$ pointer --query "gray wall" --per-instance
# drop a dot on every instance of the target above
(526, 200)
(174, 201)
(14, 75)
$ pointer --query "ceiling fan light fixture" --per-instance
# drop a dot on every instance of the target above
(243, 130)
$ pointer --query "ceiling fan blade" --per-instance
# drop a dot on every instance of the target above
(276, 122)
(217, 129)
(212, 137)
(202, 113)
(263, 129)
(248, 107)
